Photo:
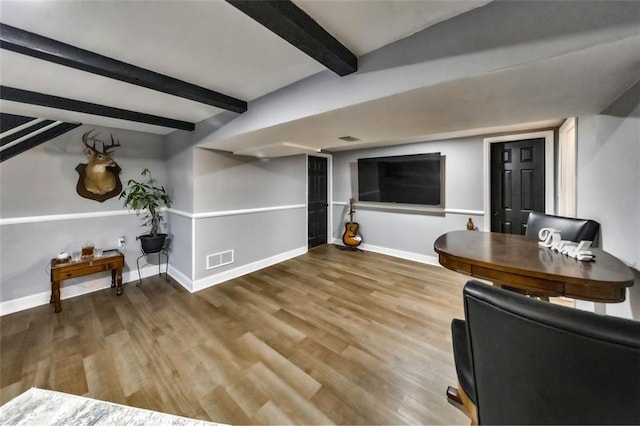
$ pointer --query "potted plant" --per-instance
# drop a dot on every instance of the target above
(149, 197)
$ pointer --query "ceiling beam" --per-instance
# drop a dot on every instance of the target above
(37, 46)
(35, 98)
(291, 23)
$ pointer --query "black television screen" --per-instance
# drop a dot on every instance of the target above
(410, 179)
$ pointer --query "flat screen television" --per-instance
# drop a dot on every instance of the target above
(410, 179)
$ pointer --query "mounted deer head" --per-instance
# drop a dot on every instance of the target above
(100, 176)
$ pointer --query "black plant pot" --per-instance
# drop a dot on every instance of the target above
(151, 244)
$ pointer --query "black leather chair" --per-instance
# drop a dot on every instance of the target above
(571, 229)
(523, 361)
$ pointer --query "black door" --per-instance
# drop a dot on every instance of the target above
(517, 184)
(317, 203)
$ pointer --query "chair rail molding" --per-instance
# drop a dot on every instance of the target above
(411, 208)
(91, 215)
(63, 216)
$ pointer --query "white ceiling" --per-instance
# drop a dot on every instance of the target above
(530, 96)
(366, 25)
(208, 43)
(212, 44)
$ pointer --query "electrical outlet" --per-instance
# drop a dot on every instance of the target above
(121, 241)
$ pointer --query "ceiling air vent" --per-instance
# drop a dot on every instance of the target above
(348, 139)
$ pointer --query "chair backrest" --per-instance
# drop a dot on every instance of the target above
(571, 229)
(538, 363)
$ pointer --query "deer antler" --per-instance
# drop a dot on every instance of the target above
(86, 138)
(114, 144)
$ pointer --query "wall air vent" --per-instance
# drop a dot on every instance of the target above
(217, 260)
(348, 139)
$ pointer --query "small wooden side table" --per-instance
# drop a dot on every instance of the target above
(110, 260)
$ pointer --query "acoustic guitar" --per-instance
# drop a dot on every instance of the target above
(350, 238)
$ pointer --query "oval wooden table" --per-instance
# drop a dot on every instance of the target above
(517, 261)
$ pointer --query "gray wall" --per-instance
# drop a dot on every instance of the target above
(406, 231)
(222, 197)
(180, 170)
(180, 249)
(180, 154)
(225, 183)
(608, 184)
(253, 237)
(179, 162)
(42, 182)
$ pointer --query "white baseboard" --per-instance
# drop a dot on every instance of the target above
(230, 274)
(416, 257)
(181, 279)
(74, 290)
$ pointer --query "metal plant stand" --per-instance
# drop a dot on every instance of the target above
(160, 253)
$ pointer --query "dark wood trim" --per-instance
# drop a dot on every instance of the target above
(37, 140)
(291, 23)
(37, 46)
(35, 98)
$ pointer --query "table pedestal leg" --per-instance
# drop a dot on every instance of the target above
(116, 280)
(55, 295)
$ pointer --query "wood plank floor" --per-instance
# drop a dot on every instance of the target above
(328, 337)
